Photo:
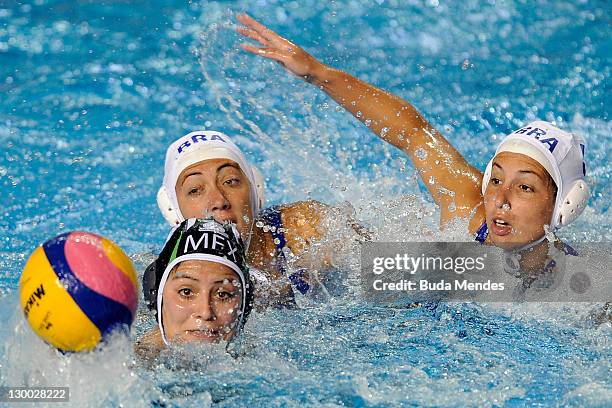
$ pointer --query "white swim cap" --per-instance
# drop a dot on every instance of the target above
(562, 155)
(196, 147)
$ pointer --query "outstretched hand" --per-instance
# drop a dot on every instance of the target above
(273, 46)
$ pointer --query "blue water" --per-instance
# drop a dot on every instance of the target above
(93, 93)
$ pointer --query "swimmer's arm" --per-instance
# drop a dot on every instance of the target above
(388, 116)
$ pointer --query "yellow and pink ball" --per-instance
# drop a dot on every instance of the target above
(77, 288)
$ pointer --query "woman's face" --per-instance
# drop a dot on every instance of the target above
(519, 200)
(201, 302)
(216, 187)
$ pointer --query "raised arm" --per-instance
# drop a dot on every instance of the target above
(451, 180)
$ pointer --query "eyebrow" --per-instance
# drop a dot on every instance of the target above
(224, 165)
(196, 173)
(221, 281)
(531, 172)
(180, 275)
(495, 164)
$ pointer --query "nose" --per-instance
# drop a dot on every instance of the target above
(216, 200)
(204, 309)
(502, 197)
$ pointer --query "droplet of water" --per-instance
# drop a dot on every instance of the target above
(466, 64)
(421, 153)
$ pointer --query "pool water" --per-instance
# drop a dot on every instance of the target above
(93, 93)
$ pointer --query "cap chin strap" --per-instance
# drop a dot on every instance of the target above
(512, 257)
(572, 205)
(530, 245)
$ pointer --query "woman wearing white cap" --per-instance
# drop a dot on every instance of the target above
(535, 180)
(206, 174)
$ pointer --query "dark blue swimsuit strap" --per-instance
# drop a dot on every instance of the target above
(481, 234)
(272, 218)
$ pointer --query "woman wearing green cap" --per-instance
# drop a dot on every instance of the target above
(199, 287)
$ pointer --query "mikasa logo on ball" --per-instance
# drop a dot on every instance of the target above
(36, 295)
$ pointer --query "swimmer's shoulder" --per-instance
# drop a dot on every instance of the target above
(149, 345)
(302, 223)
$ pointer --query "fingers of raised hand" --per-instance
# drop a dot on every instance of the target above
(247, 32)
(266, 52)
(252, 24)
(261, 29)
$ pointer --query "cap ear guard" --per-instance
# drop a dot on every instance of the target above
(149, 286)
(573, 203)
(167, 208)
(259, 186)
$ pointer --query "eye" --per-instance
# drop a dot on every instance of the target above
(495, 181)
(193, 191)
(526, 188)
(186, 293)
(234, 181)
(225, 295)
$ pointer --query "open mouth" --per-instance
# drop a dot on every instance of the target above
(500, 227)
(500, 222)
(203, 334)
